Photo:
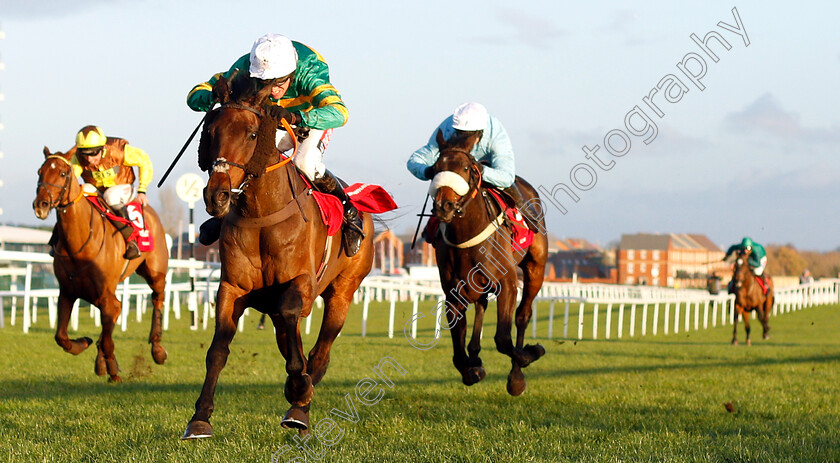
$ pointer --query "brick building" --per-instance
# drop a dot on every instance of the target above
(681, 260)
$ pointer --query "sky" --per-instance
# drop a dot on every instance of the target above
(752, 153)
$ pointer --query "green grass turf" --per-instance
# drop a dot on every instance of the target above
(652, 398)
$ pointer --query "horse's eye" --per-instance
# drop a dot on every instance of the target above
(253, 135)
(64, 174)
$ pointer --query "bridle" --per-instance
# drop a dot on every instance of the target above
(221, 164)
(55, 203)
(474, 188)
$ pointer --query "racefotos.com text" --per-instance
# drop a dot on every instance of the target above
(637, 122)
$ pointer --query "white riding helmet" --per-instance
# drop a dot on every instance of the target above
(470, 117)
(273, 56)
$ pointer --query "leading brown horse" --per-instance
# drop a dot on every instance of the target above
(748, 297)
(89, 264)
(275, 253)
(475, 258)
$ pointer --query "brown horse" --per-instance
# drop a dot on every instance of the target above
(749, 296)
(275, 253)
(89, 264)
(475, 257)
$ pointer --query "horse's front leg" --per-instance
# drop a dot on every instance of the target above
(457, 325)
(299, 388)
(474, 347)
(106, 360)
(738, 310)
(65, 309)
(229, 307)
(156, 281)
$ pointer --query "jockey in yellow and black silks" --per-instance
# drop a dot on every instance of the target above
(106, 165)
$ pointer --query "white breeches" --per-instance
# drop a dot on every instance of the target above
(117, 196)
(760, 269)
(309, 158)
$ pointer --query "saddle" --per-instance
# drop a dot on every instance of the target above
(521, 235)
(140, 232)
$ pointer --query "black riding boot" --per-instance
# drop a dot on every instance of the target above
(209, 231)
(519, 203)
(352, 231)
(131, 249)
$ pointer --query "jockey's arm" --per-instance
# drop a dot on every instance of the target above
(137, 157)
(328, 110)
(502, 170)
(200, 97)
(425, 157)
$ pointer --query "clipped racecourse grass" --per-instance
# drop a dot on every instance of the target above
(652, 398)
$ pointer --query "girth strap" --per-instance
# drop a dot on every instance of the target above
(477, 239)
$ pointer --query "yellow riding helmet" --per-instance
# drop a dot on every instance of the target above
(90, 136)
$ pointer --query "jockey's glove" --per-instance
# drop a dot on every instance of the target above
(279, 112)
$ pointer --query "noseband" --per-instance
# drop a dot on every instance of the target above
(222, 164)
(472, 192)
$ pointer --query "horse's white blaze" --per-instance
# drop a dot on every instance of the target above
(221, 166)
(451, 180)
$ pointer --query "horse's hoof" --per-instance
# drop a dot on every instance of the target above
(473, 375)
(734, 342)
(766, 336)
(536, 351)
(297, 418)
(99, 366)
(197, 430)
(159, 354)
(115, 379)
(516, 382)
(77, 346)
(749, 343)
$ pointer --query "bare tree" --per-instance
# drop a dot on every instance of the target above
(171, 210)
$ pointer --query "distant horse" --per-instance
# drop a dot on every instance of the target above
(475, 257)
(748, 297)
(89, 264)
(275, 252)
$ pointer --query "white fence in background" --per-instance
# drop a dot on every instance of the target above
(639, 308)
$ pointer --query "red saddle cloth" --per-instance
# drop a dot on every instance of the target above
(761, 283)
(520, 235)
(140, 234)
(365, 197)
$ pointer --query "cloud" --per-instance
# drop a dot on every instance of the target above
(48, 9)
(532, 31)
(765, 116)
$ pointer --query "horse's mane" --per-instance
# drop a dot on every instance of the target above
(461, 140)
(242, 89)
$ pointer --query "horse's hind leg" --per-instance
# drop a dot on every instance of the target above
(337, 299)
(65, 309)
(229, 307)
(765, 320)
(533, 275)
(156, 281)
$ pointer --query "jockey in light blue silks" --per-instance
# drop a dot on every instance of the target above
(493, 151)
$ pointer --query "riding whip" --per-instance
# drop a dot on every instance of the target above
(419, 221)
(180, 153)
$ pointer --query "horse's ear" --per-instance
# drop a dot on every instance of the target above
(439, 138)
(221, 91)
(47, 152)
